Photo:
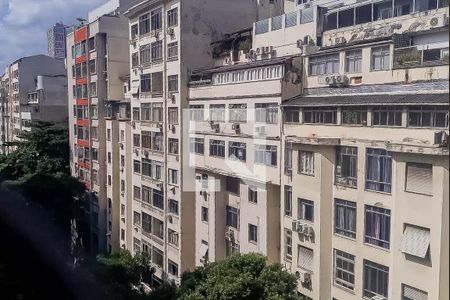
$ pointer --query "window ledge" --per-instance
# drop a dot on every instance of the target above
(344, 237)
(344, 288)
(377, 247)
(418, 193)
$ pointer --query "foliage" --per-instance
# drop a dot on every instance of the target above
(246, 277)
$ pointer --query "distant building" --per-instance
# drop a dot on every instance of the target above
(57, 41)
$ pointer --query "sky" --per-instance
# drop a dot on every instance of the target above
(24, 24)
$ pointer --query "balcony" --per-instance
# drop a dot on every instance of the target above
(410, 57)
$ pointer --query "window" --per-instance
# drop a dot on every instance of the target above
(376, 280)
(136, 218)
(305, 258)
(411, 293)
(144, 24)
(196, 113)
(146, 194)
(266, 155)
(378, 226)
(291, 115)
(173, 146)
(217, 148)
(92, 67)
(306, 162)
(266, 113)
(291, 19)
(136, 114)
(145, 54)
(146, 167)
(172, 82)
(173, 237)
(137, 166)
(262, 26)
(156, 18)
(253, 194)
(233, 185)
(93, 89)
(136, 140)
(322, 65)
(423, 116)
(288, 201)
(237, 113)
(252, 233)
(387, 116)
(145, 83)
(173, 115)
(146, 139)
(173, 206)
(136, 193)
(287, 244)
(306, 210)
(156, 51)
(345, 218)
(237, 151)
(197, 145)
(157, 257)
(172, 17)
(353, 61)
(277, 23)
(94, 133)
(344, 269)
(173, 176)
(354, 115)
(346, 166)
(157, 112)
(205, 214)
(136, 245)
(134, 31)
(320, 115)
(172, 51)
(380, 58)
(217, 113)
(232, 217)
(419, 178)
(378, 170)
(146, 223)
(416, 242)
(158, 199)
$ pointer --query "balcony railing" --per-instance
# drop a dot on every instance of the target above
(414, 57)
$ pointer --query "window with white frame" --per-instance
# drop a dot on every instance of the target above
(217, 113)
(412, 293)
(306, 210)
(266, 113)
(232, 217)
(156, 51)
(217, 148)
(173, 176)
(204, 214)
(172, 83)
(172, 51)
(172, 17)
(288, 200)
(156, 19)
(197, 112)
(254, 74)
(173, 146)
(305, 259)
(237, 113)
(416, 242)
(136, 218)
(172, 268)
(252, 233)
(136, 193)
(144, 24)
(354, 115)
(377, 226)
(346, 172)
(353, 61)
(322, 65)
(287, 244)
(262, 26)
(145, 83)
(146, 194)
(145, 54)
(197, 145)
(376, 280)
(387, 116)
(344, 269)
(136, 245)
(345, 218)
(253, 194)
(306, 162)
(419, 178)
(173, 115)
(237, 151)
(173, 206)
(380, 59)
(266, 155)
(320, 115)
(172, 237)
(136, 166)
(378, 170)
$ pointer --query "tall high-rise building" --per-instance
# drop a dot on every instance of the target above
(56, 36)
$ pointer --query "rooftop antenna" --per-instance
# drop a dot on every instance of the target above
(81, 21)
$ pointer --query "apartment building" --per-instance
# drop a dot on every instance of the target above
(167, 41)
(56, 36)
(34, 89)
(97, 67)
(4, 112)
(365, 182)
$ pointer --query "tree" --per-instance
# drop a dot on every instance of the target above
(246, 277)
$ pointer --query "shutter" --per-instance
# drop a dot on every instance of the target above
(305, 258)
(416, 241)
(419, 178)
(203, 250)
(413, 293)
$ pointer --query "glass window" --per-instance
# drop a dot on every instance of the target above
(146, 223)
(277, 23)
(288, 201)
(237, 151)
(156, 51)
(346, 166)
(173, 115)
(287, 244)
(306, 162)
(217, 148)
(378, 226)
(345, 218)
(137, 166)
(291, 19)
(253, 194)
(145, 83)
(173, 206)
(387, 116)
(237, 113)
(266, 155)
(232, 217)
(197, 145)
(266, 113)
(156, 19)
(344, 269)
(173, 83)
(173, 146)
(291, 115)
(306, 210)
(196, 112)
(136, 193)
(353, 61)
(320, 115)
(378, 170)
(158, 199)
(354, 115)
(321, 65)
(144, 24)
(380, 58)
(172, 51)
(252, 233)
(419, 178)
(172, 17)
(217, 113)
(411, 293)
(173, 176)
(233, 185)
(376, 280)
(262, 26)
(424, 116)
(172, 238)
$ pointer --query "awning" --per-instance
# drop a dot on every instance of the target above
(416, 241)
(413, 293)
(203, 250)
(367, 99)
(305, 258)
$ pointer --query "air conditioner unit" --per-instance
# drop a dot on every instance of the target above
(261, 130)
(121, 145)
(173, 190)
(136, 151)
(215, 127)
(145, 153)
(236, 127)
(295, 226)
(133, 124)
(307, 40)
(172, 98)
(170, 219)
(305, 229)
(441, 138)
(340, 40)
(160, 185)
(341, 79)
(230, 235)
(310, 231)
(330, 80)
(300, 43)
(171, 31)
